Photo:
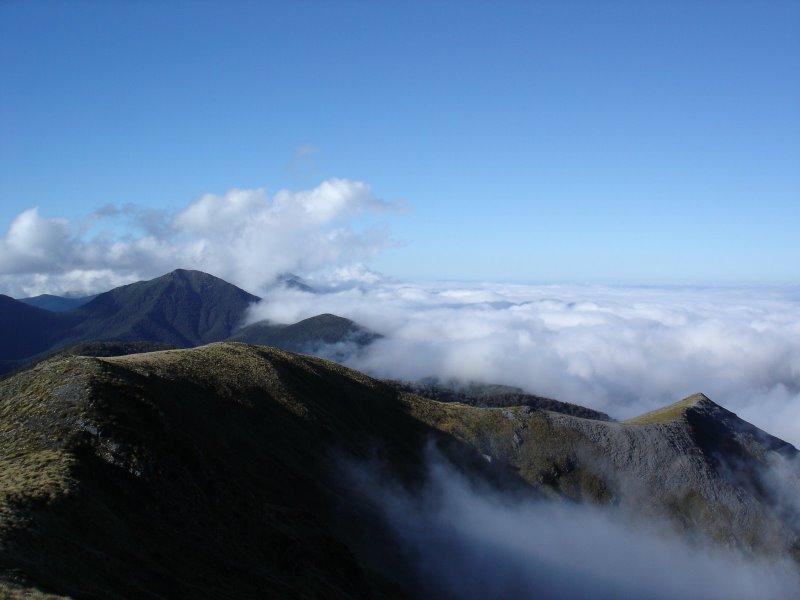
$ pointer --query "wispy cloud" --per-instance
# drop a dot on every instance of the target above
(469, 541)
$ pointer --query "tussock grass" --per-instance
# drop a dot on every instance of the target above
(667, 413)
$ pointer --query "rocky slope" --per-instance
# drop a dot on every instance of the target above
(216, 472)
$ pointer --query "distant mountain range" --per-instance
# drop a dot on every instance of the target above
(57, 303)
(180, 309)
(217, 472)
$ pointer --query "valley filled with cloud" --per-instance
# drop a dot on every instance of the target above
(620, 349)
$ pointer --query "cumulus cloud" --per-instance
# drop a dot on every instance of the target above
(244, 236)
(469, 541)
(622, 350)
(35, 244)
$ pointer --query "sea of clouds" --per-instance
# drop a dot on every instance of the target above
(620, 349)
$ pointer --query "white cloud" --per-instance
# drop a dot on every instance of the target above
(623, 350)
(35, 244)
(243, 236)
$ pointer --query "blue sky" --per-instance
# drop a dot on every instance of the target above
(600, 141)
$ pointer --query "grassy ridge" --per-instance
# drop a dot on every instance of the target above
(215, 472)
(667, 413)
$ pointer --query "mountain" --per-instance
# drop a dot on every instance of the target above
(57, 303)
(290, 280)
(25, 329)
(216, 472)
(307, 335)
(203, 473)
(180, 309)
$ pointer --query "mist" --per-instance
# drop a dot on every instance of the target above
(467, 540)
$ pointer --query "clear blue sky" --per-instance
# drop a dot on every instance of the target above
(641, 141)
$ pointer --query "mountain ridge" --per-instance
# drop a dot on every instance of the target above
(671, 411)
(183, 308)
(212, 472)
(55, 303)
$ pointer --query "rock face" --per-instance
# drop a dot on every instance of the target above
(213, 472)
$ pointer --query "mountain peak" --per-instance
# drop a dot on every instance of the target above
(673, 412)
(181, 308)
(697, 400)
(327, 318)
(290, 280)
(307, 335)
(191, 275)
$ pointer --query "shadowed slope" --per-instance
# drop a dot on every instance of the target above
(204, 473)
(214, 472)
(181, 308)
(26, 330)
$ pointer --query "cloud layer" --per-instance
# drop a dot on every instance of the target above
(244, 236)
(623, 350)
